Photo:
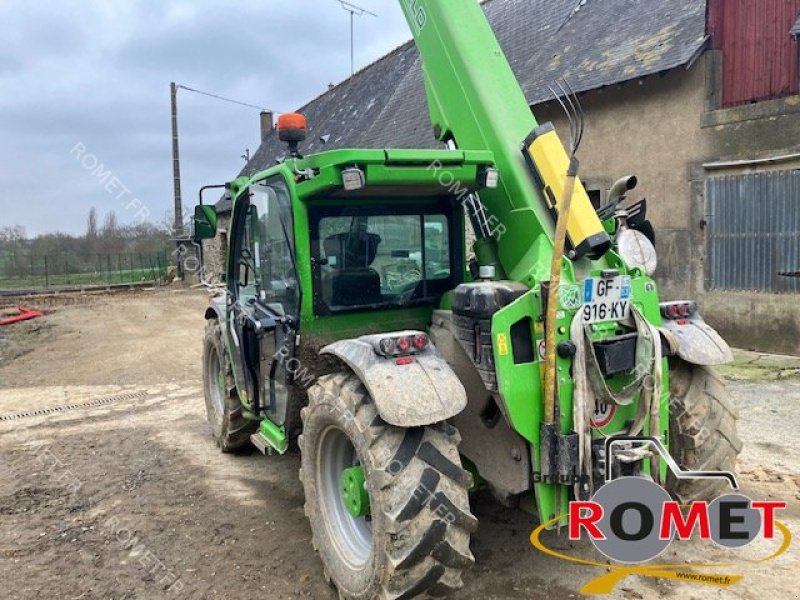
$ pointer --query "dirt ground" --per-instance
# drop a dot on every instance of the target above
(125, 496)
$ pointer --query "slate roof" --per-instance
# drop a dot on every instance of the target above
(591, 43)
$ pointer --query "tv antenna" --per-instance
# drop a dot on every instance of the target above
(355, 11)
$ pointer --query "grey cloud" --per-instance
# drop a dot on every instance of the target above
(98, 72)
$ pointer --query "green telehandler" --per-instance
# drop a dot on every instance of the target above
(353, 324)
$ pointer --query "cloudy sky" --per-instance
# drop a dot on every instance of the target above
(91, 77)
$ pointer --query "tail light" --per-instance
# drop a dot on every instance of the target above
(678, 310)
(403, 345)
(420, 341)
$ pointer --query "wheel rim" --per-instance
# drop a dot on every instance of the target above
(352, 536)
(216, 384)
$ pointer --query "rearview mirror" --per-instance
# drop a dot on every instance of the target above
(205, 222)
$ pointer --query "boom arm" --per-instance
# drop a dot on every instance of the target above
(475, 100)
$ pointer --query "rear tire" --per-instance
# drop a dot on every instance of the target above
(416, 537)
(225, 413)
(703, 433)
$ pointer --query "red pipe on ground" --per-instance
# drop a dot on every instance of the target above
(24, 315)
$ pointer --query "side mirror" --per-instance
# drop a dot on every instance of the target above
(205, 222)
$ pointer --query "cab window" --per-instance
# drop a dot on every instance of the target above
(265, 268)
(375, 259)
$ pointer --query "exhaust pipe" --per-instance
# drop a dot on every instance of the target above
(620, 187)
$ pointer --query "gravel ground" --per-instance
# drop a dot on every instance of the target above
(126, 496)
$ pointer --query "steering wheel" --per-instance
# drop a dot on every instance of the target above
(408, 292)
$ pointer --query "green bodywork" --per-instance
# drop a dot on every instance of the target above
(274, 435)
(404, 177)
(474, 99)
(385, 170)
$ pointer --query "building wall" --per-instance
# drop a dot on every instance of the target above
(671, 133)
(763, 136)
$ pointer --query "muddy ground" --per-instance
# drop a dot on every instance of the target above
(125, 496)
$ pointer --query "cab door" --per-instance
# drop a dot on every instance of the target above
(264, 296)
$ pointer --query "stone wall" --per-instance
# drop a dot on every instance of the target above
(215, 251)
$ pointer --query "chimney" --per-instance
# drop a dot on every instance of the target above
(266, 123)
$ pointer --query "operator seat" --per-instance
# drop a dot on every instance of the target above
(353, 282)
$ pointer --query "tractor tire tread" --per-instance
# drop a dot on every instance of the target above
(418, 496)
(236, 429)
(702, 429)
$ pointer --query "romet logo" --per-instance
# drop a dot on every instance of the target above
(632, 520)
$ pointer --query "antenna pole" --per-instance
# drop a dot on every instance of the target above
(354, 11)
(352, 54)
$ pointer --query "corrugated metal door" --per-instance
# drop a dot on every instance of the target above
(754, 231)
(759, 57)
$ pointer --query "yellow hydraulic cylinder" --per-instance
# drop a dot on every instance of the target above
(548, 161)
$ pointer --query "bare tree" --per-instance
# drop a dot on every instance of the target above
(91, 224)
(110, 227)
(12, 234)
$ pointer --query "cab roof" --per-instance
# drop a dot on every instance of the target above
(387, 171)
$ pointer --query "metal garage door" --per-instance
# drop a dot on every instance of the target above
(754, 231)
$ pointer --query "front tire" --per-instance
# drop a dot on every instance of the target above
(416, 538)
(703, 433)
(224, 411)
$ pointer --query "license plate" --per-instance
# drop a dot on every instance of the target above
(606, 299)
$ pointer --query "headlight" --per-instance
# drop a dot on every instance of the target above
(353, 179)
(636, 250)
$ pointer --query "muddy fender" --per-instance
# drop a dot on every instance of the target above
(696, 342)
(422, 392)
(216, 309)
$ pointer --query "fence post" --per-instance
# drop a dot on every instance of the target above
(66, 268)
(46, 275)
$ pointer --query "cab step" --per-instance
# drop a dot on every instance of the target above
(270, 438)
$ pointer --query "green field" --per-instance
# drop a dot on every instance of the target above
(92, 278)
(23, 270)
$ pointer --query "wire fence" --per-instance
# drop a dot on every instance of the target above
(23, 270)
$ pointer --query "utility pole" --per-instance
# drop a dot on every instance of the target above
(179, 234)
(176, 162)
(354, 11)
